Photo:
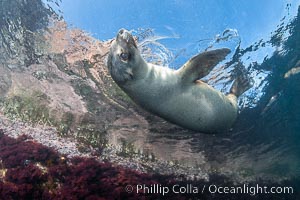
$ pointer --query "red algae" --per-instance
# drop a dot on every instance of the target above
(16, 152)
(34, 171)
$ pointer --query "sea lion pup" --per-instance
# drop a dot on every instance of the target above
(175, 95)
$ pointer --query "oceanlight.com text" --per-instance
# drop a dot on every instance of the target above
(213, 189)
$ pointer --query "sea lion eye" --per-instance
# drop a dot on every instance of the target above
(124, 56)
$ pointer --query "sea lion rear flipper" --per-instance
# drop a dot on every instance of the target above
(240, 85)
(200, 65)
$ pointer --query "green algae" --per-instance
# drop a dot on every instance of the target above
(33, 108)
(128, 150)
(28, 107)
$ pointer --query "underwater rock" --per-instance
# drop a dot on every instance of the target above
(61, 89)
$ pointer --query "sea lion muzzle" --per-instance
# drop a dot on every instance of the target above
(125, 36)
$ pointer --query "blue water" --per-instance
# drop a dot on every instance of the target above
(191, 20)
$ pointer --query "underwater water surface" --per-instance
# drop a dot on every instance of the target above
(75, 95)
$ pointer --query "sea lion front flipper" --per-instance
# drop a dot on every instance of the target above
(200, 65)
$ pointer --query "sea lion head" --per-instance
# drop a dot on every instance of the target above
(123, 57)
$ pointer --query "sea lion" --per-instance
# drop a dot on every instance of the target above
(175, 95)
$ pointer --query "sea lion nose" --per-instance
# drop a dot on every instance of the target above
(121, 31)
(123, 34)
